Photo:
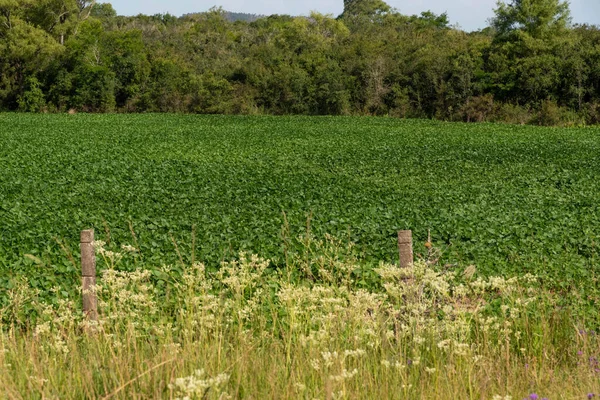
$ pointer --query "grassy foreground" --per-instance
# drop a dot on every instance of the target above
(304, 331)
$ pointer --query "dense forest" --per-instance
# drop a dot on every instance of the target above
(531, 65)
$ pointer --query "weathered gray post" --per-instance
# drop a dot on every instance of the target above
(88, 275)
(405, 247)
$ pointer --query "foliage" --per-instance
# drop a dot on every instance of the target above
(33, 99)
(535, 18)
(357, 12)
(479, 108)
(371, 60)
(515, 114)
(536, 60)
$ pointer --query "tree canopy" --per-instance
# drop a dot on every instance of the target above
(539, 19)
(530, 65)
(368, 8)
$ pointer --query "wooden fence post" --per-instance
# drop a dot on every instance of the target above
(405, 248)
(88, 275)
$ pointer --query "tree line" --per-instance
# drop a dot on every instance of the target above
(531, 65)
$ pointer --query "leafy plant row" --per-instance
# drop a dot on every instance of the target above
(508, 199)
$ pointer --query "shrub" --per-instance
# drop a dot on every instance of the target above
(479, 108)
(514, 114)
(33, 99)
(592, 113)
(549, 113)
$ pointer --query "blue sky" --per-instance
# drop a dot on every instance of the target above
(469, 14)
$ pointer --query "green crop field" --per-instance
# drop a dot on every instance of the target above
(188, 313)
(508, 199)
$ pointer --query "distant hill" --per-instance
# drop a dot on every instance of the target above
(233, 16)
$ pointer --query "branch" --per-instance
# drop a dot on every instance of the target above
(89, 11)
(57, 20)
(8, 22)
(81, 18)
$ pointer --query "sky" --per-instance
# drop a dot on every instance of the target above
(468, 14)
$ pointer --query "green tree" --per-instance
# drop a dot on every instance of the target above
(33, 99)
(25, 52)
(125, 55)
(360, 12)
(365, 7)
(103, 11)
(59, 18)
(538, 19)
(93, 88)
(525, 60)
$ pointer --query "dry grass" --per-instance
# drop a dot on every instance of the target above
(304, 332)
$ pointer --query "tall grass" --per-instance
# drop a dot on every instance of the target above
(310, 330)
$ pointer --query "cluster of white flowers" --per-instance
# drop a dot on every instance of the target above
(422, 313)
(344, 375)
(197, 385)
(129, 248)
(110, 257)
